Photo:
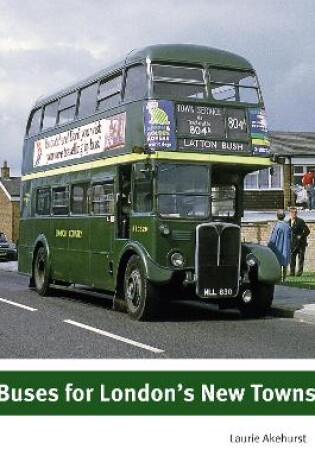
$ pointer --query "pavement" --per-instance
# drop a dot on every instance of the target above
(293, 302)
(288, 302)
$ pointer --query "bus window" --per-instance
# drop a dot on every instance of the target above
(223, 200)
(88, 100)
(102, 199)
(67, 108)
(178, 82)
(142, 190)
(183, 190)
(60, 201)
(43, 202)
(234, 86)
(109, 93)
(34, 124)
(79, 198)
(135, 83)
(50, 115)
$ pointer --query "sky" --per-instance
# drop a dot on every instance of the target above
(45, 45)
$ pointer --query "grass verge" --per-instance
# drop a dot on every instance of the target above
(306, 281)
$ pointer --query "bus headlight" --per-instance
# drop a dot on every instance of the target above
(251, 260)
(177, 259)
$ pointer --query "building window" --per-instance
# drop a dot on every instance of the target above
(299, 171)
(266, 179)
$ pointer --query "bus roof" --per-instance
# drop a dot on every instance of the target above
(173, 53)
(189, 53)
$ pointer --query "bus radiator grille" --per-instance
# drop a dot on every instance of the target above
(218, 259)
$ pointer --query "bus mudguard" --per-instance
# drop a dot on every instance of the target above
(41, 240)
(268, 268)
(154, 272)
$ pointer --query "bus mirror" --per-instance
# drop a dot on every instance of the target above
(147, 150)
(137, 149)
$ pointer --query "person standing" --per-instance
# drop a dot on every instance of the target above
(308, 182)
(300, 231)
(280, 242)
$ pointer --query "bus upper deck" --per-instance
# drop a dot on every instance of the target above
(171, 98)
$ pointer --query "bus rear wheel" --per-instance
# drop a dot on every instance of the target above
(41, 272)
(140, 295)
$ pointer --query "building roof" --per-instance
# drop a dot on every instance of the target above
(11, 186)
(293, 143)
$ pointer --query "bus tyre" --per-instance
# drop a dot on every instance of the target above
(140, 294)
(260, 303)
(41, 272)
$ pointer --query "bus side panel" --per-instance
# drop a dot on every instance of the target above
(78, 250)
(59, 251)
(26, 237)
(25, 248)
(101, 243)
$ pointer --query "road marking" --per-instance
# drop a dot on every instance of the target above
(115, 337)
(31, 309)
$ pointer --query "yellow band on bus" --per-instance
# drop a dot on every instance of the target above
(134, 157)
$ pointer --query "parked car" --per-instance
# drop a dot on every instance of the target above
(8, 250)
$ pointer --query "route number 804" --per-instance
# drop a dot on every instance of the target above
(235, 123)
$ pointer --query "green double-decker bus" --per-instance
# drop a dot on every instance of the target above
(132, 183)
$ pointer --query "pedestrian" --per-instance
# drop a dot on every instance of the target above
(308, 182)
(300, 231)
(280, 242)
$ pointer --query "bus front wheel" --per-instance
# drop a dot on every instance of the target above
(41, 272)
(140, 295)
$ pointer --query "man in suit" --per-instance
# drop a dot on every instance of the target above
(300, 231)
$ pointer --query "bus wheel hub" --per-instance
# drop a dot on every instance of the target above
(134, 287)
